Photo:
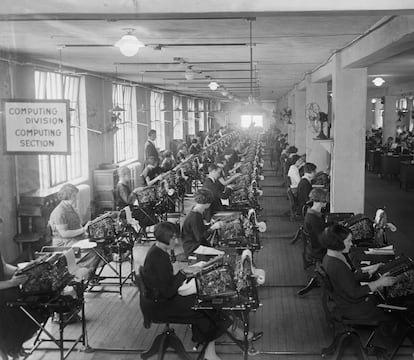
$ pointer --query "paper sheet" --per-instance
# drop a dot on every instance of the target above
(225, 202)
(206, 250)
(188, 287)
(386, 250)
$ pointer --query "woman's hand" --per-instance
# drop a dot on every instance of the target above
(217, 225)
(17, 280)
(371, 269)
(86, 226)
(383, 281)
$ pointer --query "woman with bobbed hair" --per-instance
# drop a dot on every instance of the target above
(164, 302)
(15, 326)
(352, 299)
(314, 225)
(194, 231)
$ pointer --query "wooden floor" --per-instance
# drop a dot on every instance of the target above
(294, 327)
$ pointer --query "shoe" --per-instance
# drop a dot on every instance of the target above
(313, 283)
(257, 335)
(378, 352)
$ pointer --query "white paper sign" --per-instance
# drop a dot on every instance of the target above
(37, 126)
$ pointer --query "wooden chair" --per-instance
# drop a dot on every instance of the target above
(27, 235)
(348, 334)
(168, 338)
(292, 204)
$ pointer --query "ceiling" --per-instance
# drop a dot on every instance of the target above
(286, 47)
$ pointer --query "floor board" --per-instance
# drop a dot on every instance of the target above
(294, 327)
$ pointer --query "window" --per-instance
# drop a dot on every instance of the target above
(58, 169)
(125, 136)
(157, 118)
(191, 116)
(201, 115)
(251, 120)
(178, 118)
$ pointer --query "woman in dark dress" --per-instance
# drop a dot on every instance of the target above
(15, 325)
(163, 301)
(194, 231)
(353, 300)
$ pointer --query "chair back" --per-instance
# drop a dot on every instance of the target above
(328, 302)
(307, 254)
(292, 202)
(143, 293)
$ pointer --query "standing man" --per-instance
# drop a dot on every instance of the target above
(150, 149)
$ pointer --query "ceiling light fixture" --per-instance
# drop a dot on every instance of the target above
(378, 81)
(189, 73)
(129, 44)
(213, 85)
(224, 92)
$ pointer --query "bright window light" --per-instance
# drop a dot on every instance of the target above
(251, 120)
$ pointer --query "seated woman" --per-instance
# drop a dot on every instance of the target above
(152, 172)
(66, 225)
(182, 153)
(353, 300)
(168, 162)
(164, 303)
(15, 326)
(314, 224)
(123, 189)
(194, 231)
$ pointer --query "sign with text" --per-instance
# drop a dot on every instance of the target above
(36, 126)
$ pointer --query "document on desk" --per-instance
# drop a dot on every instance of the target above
(386, 250)
(225, 202)
(206, 250)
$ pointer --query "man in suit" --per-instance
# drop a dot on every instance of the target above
(149, 148)
(212, 183)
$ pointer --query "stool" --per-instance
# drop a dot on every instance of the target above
(26, 235)
(27, 239)
(168, 338)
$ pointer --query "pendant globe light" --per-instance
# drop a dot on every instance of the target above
(129, 45)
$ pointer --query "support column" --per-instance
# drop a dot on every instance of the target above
(370, 115)
(291, 127)
(389, 118)
(300, 121)
(315, 152)
(349, 91)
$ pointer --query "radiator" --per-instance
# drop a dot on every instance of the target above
(136, 170)
(84, 202)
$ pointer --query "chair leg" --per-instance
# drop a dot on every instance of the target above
(341, 342)
(296, 237)
(168, 339)
(174, 342)
(163, 347)
(155, 346)
(313, 283)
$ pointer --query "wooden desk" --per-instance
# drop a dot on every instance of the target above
(406, 174)
(374, 160)
(390, 164)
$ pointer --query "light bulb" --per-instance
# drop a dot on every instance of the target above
(373, 101)
(213, 85)
(189, 74)
(129, 45)
(378, 81)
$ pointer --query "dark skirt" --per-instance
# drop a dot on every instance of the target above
(206, 325)
(15, 326)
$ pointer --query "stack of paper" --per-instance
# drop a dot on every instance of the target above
(206, 250)
(386, 250)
